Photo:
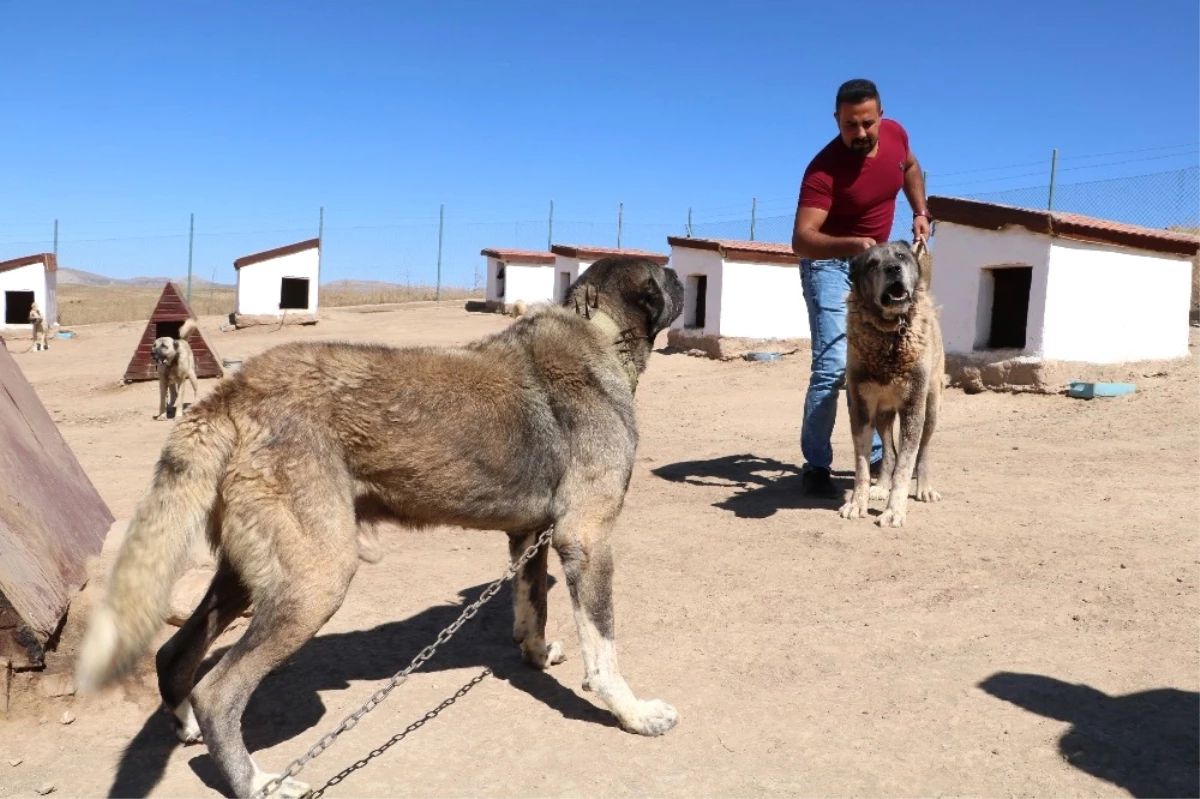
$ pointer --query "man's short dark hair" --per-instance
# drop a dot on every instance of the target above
(856, 91)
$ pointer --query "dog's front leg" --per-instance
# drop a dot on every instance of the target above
(162, 399)
(581, 540)
(885, 422)
(861, 413)
(912, 423)
(529, 604)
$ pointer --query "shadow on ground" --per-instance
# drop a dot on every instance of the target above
(761, 486)
(1147, 743)
(287, 705)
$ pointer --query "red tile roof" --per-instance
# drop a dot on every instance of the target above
(755, 252)
(47, 258)
(519, 256)
(994, 216)
(585, 252)
(278, 252)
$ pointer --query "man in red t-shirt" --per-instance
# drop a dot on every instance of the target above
(847, 203)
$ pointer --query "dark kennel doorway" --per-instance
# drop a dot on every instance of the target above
(697, 309)
(17, 305)
(293, 294)
(167, 329)
(1010, 307)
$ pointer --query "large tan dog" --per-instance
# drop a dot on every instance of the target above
(37, 323)
(175, 363)
(280, 464)
(894, 367)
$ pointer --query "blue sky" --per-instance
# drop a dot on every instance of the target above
(124, 117)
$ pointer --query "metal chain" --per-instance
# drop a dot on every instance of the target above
(401, 676)
(400, 736)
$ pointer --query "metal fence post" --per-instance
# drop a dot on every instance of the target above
(689, 224)
(56, 239)
(550, 230)
(1053, 170)
(441, 228)
(753, 215)
(620, 222)
(320, 243)
(191, 239)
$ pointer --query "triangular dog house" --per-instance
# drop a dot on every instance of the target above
(52, 520)
(169, 315)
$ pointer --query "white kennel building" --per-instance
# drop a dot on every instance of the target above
(282, 282)
(24, 281)
(1051, 287)
(571, 261)
(739, 296)
(518, 275)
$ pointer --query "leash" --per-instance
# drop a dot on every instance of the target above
(401, 676)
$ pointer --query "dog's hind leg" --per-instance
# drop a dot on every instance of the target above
(180, 656)
(195, 390)
(925, 490)
(297, 555)
(529, 604)
(581, 539)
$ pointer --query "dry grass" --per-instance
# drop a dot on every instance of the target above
(85, 305)
(340, 297)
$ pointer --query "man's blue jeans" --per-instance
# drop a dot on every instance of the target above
(825, 284)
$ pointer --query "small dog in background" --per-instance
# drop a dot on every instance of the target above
(38, 322)
(175, 363)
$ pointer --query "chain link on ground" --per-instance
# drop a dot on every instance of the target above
(398, 737)
(400, 677)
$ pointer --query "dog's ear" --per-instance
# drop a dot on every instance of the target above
(660, 296)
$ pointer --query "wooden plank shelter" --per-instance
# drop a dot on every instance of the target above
(169, 315)
(52, 519)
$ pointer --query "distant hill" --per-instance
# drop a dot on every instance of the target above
(78, 277)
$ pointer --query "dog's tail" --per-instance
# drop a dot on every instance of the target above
(188, 328)
(177, 507)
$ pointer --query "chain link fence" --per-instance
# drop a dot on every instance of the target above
(421, 253)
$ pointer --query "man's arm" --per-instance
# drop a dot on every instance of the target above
(809, 242)
(914, 190)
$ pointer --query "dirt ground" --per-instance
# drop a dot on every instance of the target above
(1034, 634)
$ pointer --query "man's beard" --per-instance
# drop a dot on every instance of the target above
(863, 145)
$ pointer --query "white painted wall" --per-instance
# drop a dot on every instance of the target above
(30, 278)
(745, 300)
(1106, 304)
(572, 267)
(258, 284)
(1091, 302)
(528, 282)
(493, 289)
(763, 301)
(960, 286)
(688, 262)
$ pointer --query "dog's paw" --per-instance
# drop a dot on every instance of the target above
(878, 492)
(652, 717)
(187, 729)
(927, 494)
(289, 789)
(891, 518)
(544, 656)
(853, 510)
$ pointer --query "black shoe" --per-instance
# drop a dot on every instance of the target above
(817, 483)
